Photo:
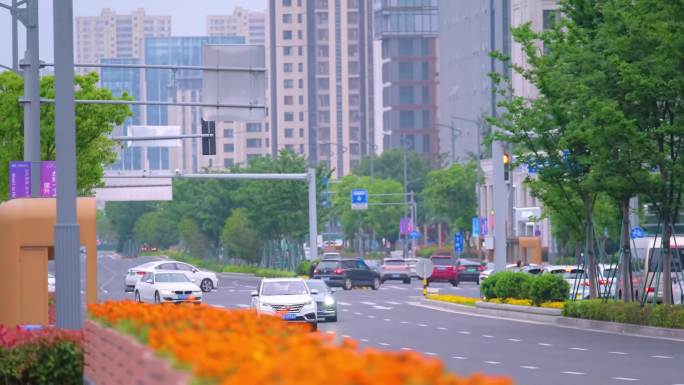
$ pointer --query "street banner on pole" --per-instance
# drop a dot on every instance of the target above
(19, 179)
(476, 227)
(405, 226)
(484, 227)
(48, 179)
(458, 243)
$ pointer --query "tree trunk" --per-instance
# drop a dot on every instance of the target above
(625, 280)
(591, 257)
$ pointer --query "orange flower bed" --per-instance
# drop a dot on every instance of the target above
(236, 347)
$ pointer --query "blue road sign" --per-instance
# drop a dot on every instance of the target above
(359, 199)
(458, 242)
(637, 232)
(414, 235)
(476, 227)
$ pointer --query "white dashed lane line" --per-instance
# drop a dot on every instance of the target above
(459, 358)
(393, 303)
(492, 362)
(579, 349)
(529, 367)
(387, 320)
(382, 307)
(662, 357)
(618, 353)
(441, 328)
(404, 322)
(384, 344)
(574, 373)
(344, 304)
(369, 303)
(464, 332)
(625, 379)
(513, 340)
(364, 339)
(430, 354)
(544, 344)
(487, 336)
(371, 316)
(422, 325)
(407, 349)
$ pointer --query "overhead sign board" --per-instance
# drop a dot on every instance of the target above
(359, 199)
(19, 179)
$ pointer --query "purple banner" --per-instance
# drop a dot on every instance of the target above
(405, 226)
(48, 179)
(19, 179)
(484, 227)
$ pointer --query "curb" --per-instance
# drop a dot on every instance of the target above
(543, 315)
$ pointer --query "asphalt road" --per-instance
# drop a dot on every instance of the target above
(393, 319)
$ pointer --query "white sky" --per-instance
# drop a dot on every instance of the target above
(187, 17)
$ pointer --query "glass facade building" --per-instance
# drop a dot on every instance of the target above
(408, 31)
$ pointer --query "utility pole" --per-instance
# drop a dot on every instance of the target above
(405, 148)
(67, 230)
(31, 72)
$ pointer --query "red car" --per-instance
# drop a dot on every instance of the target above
(445, 270)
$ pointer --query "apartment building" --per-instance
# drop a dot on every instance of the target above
(243, 22)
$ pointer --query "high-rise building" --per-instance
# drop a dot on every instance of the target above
(321, 79)
(250, 24)
(177, 86)
(407, 32)
(111, 35)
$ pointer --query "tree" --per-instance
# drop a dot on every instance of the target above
(193, 241)
(450, 195)
(94, 122)
(390, 165)
(155, 229)
(239, 238)
(105, 231)
(124, 215)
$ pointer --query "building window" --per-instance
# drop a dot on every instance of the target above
(228, 147)
(322, 34)
(287, 67)
(299, 34)
(324, 116)
(289, 147)
(354, 83)
(322, 51)
(301, 132)
(228, 162)
(288, 100)
(287, 18)
(289, 116)
(353, 68)
(301, 116)
(353, 50)
(426, 144)
(425, 69)
(301, 83)
(353, 34)
(426, 118)
(354, 100)
(300, 51)
(299, 18)
(354, 116)
(550, 16)
(301, 100)
(426, 94)
(301, 148)
(324, 100)
(288, 83)
(227, 132)
(301, 67)
(323, 83)
(321, 4)
(405, 47)
(322, 18)
(253, 143)
(405, 71)
(354, 148)
(287, 35)
(406, 119)
(253, 127)
(287, 3)
(352, 17)
(289, 132)
(287, 51)
(406, 95)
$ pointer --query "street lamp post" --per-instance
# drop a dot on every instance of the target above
(405, 143)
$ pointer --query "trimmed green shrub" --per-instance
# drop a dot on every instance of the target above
(548, 287)
(426, 252)
(631, 313)
(488, 286)
(512, 285)
(303, 267)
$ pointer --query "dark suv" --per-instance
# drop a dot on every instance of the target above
(346, 273)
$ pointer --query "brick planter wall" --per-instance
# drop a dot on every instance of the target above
(112, 358)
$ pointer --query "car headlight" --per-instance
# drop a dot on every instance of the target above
(308, 303)
(165, 292)
(329, 301)
(264, 304)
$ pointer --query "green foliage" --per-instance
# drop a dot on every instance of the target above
(124, 215)
(512, 285)
(218, 266)
(548, 287)
(239, 238)
(488, 286)
(94, 122)
(303, 267)
(450, 196)
(155, 229)
(426, 252)
(105, 229)
(193, 241)
(390, 165)
(632, 313)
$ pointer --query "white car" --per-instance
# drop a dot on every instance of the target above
(51, 283)
(411, 262)
(206, 280)
(484, 274)
(167, 286)
(288, 298)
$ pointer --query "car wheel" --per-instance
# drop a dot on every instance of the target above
(332, 319)
(347, 284)
(157, 299)
(314, 326)
(454, 283)
(206, 285)
(137, 296)
(376, 283)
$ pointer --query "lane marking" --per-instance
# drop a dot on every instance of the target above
(464, 332)
(422, 325)
(344, 304)
(544, 344)
(404, 322)
(330, 332)
(513, 340)
(345, 309)
(574, 373)
(382, 307)
(492, 362)
(529, 367)
(579, 349)
(393, 302)
(618, 353)
(459, 358)
(388, 320)
(625, 379)
(242, 305)
(364, 340)
(487, 336)
(441, 328)
(664, 357)
(371, 316)
(406, 349)
(369, 303)
(357, 313)
(384, 344)
(430, 354)
(219, 306)
(346, 336)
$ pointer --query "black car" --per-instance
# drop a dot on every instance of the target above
(346, 273)
(469, 271)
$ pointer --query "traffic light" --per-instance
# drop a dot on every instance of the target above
(208, 142)
(507, 166)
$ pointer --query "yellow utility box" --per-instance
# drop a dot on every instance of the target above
(27, 239)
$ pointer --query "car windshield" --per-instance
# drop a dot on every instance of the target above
(467, 262)
(316, 284)
(394, 262)
(573, 274)
(284, 288)
(442, 261)
(327, 265)
(171, 277)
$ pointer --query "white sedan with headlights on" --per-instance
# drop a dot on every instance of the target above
(326, 305)
(287, 298)
(167, 286)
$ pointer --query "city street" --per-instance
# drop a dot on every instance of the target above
(393, 319)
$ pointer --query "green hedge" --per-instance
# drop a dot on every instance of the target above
(666, 316)
(548, 288)
(512, 285)
(517, 285)
(221, 267)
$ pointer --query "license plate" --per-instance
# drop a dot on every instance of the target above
(472, 270)
(182, 296)
(441, 268)
(289, 316)
(395, 276)
(326, 278)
